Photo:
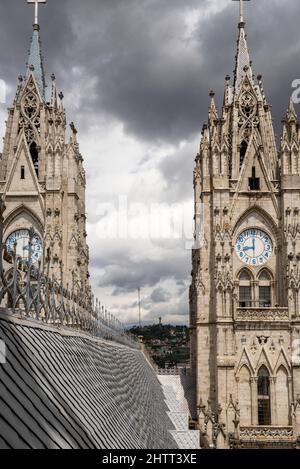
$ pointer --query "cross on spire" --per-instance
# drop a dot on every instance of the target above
(36, 9)
(241, 9)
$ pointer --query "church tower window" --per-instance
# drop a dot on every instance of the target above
(264, 397)
(243, 151)
(35, 157)
(245, 291)
(22, 172)
(265, 297)
(254, 183)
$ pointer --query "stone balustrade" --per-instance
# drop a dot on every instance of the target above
(266, 433)
(262, 314)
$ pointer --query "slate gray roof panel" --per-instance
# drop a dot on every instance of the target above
(62, 390)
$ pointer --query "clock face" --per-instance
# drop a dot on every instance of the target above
(254, 247)
(21, 239)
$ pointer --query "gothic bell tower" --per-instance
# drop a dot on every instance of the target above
(244, 297)
(42, 179)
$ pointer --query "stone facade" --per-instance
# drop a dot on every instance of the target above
(42, 179)
(244, 300)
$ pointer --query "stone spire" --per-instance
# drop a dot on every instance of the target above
(227, 99)
(35, 60)
(291, 115)
(243, 63)
(289, 143)
(212, 113)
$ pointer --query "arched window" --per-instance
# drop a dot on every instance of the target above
(245, 276)
(245, 293)
(263, 397)
(282, 397)
(35, 157)
(265, 296)
(243, 151)
(244, 395)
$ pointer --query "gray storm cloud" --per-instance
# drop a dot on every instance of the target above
(140, 64)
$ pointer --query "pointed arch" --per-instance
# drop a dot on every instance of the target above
(244, 395)
(245, 361)
(246, 271)
(31, 85)
(48, 237)
(263, 370)
(269, 222)
(263, 360)
(22, 150)
(57, 148)
(49, 149)
(282, 360)
(23, 209)
(267, 270)
(245, 289)
(282, 396)
(263, 396)
(73, 242)
(265, 288)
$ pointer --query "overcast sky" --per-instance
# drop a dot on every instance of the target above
(136, 76)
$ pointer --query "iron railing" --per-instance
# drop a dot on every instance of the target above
(34, 292)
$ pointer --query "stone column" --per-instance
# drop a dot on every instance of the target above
(274, 418)
(274, 299)
(253, 385)
(290, 396)
(256, 294)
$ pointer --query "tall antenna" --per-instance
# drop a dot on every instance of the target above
(139, 298)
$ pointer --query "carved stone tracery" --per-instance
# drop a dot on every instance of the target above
(30, 115)
(262, 314)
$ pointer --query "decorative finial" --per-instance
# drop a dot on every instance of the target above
(73, 128)
(241, 10)
(36, 9)
(211, 93)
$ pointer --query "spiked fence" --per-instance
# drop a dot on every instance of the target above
(33, 291)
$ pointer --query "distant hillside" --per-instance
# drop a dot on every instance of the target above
(168, 345)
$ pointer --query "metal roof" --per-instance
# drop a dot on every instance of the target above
(64, 389)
